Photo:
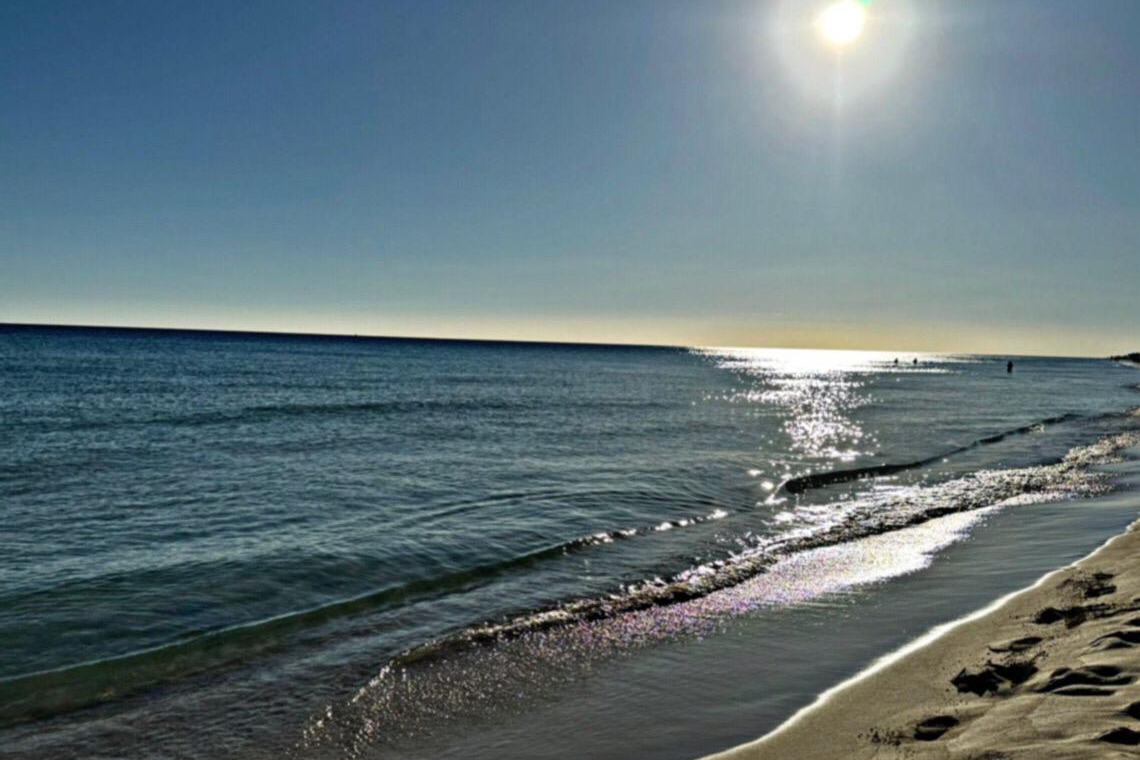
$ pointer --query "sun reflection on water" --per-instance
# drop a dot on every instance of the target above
(817, 392)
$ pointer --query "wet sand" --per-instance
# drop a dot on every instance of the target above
(1050, 672)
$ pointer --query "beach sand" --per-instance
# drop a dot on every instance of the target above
(1050, 672)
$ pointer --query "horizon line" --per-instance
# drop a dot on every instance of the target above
(516, 341)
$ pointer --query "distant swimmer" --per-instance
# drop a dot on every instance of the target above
(896, 362)
(1009, 368)
(915, 361)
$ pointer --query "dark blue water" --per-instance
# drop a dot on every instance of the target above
(331, 545)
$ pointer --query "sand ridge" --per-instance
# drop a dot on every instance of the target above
(1052, 672)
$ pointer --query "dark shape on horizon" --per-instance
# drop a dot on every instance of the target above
(915, 361)
(1009, 368)
(1133, 357)
(896, 362)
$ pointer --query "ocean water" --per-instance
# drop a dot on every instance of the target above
(229, 545)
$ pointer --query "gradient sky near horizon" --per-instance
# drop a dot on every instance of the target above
(965, 177)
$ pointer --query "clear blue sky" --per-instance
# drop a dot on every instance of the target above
(965, 177)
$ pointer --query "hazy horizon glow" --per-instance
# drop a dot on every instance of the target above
(681, 333)
(961, 177)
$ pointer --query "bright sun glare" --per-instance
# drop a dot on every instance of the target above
(842, 22)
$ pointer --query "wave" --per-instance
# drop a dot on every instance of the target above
(1070, 477)
(803, 483)
(263, 412)
(487, 669)
(36, 695)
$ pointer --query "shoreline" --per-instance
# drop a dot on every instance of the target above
(1044, 672)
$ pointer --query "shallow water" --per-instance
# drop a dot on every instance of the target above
(694, 696)
(249, 545)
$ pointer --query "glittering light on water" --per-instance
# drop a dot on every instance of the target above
(827, 549)
(406, 702)
(818, 390)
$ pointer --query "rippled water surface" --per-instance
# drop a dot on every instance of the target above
(256, 545)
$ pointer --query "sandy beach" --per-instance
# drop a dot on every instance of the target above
(1049, 672)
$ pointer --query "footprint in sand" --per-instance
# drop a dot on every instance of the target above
(933, 728)
(1017, 645)
(1072, 616)
(1133, 710)
(1121, 736)
(1117, 640)
(1085, 682)
(1091, 586)
(1083, 691)
(992, 677)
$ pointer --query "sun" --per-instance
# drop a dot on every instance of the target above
(842, 22)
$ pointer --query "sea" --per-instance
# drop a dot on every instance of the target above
(234, 545)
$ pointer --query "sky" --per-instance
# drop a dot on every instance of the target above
(964, 177)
